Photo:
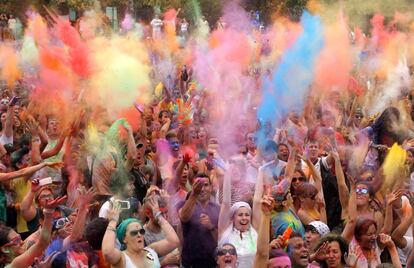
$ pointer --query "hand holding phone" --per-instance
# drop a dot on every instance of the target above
(123, 204)
(45, 181)
(14, 101)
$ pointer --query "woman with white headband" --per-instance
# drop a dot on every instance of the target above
(235, 225)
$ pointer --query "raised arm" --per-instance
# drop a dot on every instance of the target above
(27, 208)
(316, 175)
(349, 229)
(55, 150)
(263, 237)
(187, 210)
(258, 194)
(132, 149)
(392, 249)
(80, 222)
(171, 241)
(391, 198)
(224, 218)
(340, 178)
(164, 129)
(27, 258)
(8, 127)
(28, 171)
(111, 254)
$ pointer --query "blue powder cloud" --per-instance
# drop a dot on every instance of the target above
(290, 82)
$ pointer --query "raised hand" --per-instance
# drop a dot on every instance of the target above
(267, 204)
(198, 186)
(114, 211)
(55, 165)
(386, 240)
(86, 197)
(320, 254)
(55, 202)
(47, 262)
(34, 186)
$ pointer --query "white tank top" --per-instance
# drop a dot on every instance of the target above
(151, 255)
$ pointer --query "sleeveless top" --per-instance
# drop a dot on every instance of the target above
(151, 255)
(245, 244)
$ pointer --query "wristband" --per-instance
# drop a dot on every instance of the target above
(157, 215)
(109, 228)
(48, 210)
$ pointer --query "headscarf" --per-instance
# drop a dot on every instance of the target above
(238, 205)
(121, 230)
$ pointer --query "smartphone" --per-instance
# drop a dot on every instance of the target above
(123, 204)
(14, 100)
(45, 181)
(139, 107)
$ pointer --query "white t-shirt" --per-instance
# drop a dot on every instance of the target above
(103, 211)
(404, 253)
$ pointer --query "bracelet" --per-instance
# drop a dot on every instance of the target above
(48, 210)
(157, 215)
(113, 219)
(109, 228)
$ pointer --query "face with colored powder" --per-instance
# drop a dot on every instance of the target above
(241, 219)
(279, 262)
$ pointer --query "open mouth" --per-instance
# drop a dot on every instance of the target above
(304, 257)
(228, 260)
(244, 222)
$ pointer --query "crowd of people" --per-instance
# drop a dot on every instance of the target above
(178, 181)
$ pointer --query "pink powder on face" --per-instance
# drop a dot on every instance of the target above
(280, 262)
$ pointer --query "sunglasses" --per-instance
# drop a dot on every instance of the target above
(140, 145)
(252, 139)
(223, 252)
(312, 230)
(361, 191)
(298, 179)
(14, 242)
(136, 232)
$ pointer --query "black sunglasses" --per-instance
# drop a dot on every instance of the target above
(140, 145)
(223, 252)
(136, 232)
(298, 179)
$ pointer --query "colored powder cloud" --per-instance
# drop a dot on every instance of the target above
(335, 62)
(288, 87)
(393, 166)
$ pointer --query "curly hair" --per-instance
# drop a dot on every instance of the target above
(343, 245)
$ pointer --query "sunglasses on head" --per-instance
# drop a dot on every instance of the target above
(361, 191)
(312, 230)
(224, 251)
(298, 179)
(136, 232)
